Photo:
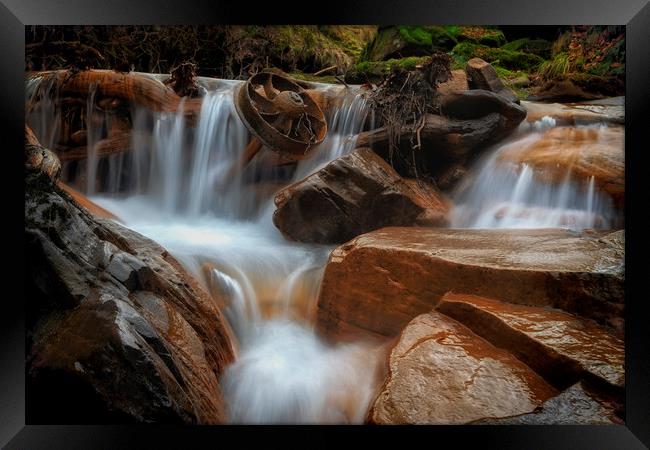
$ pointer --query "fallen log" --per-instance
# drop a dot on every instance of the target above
(117, 143)
(134, 87)
(453, 137)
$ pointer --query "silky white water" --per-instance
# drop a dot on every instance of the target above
(501, 194)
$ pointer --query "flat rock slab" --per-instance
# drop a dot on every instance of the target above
(559, 346)
(572, 407)
(442, 373)
(381, 280)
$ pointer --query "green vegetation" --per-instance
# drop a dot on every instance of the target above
(539, 47)
(498, 56)
(492, 37)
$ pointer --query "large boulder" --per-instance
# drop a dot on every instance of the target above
(117, 330)
(379, 281)
(581, 153)
(440, 372)
(561, 347)
(481, 75)
(352, 195)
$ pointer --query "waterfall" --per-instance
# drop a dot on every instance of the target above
(501, 194)
(177, 187)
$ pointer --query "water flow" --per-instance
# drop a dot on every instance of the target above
(500, 193)
(178, 188)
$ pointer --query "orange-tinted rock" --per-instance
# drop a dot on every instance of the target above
(580, 152)
(574, 406)
(561, 347)
(88, 204)
(481, 75)
(379, 281)
(118, 331)
(352, 195)
(442, 373)
(457, 82)
(575, 114)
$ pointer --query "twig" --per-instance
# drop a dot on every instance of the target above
(327, 69)
(341, 80)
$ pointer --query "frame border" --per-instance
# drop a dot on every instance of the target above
(635, 14)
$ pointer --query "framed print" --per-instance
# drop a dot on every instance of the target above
(414, 220)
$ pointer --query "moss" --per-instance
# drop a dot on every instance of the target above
(376, 70)
(539, 47)
(505, 58)
(492, 37)
(309, 77)
(404, 41)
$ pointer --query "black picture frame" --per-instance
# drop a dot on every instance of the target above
(635, 14)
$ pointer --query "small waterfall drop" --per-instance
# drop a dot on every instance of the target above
(500, 193)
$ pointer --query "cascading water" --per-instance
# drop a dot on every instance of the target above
(178, 188)
(505, 194)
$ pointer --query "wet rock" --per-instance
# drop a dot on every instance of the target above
(584, 113)
(578, 152)
(481, 75)
(405, 272)
(86, 203)
(40, 159)
(473, 104)
(442, 373)
(561, 347)
(562, 90)
(457, 82)
(117, 330)
(352, 195)
(574, 406)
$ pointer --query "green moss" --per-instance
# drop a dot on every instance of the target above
(539, 47)
(492, 37)
(404, 41)
(416, 35)
(309, 77)
(505, 58)
(376, 70)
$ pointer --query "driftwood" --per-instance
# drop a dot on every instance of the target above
(116, 143)
(451, 136)
(134, 87)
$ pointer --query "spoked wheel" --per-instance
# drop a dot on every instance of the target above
(281, 114)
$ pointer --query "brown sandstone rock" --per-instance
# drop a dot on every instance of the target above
(379, 281)
(442, 373)
(117, 330)
(352, 195)
(561, 347)
(579, 152)
(481, 75)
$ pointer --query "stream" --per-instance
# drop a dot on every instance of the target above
(177, 188)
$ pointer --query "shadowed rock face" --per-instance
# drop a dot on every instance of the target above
(574, 406)
(442, 373)
(560, 346)
(352, 195)
(117, 331)
(379, 281)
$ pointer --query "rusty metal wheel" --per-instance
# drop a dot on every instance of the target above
(281, 114)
